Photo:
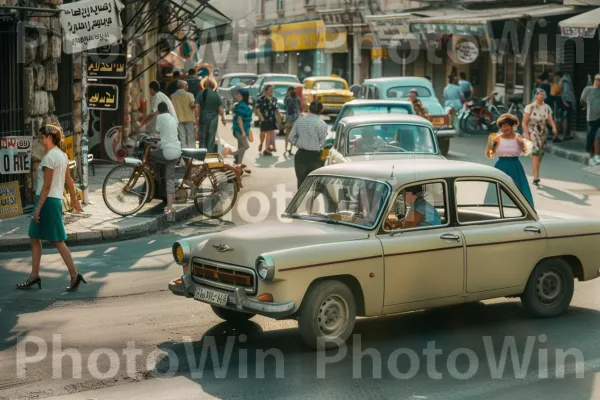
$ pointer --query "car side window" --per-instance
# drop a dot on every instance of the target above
(483, 201)
(419, 205)
(376, 93)
(225, 83)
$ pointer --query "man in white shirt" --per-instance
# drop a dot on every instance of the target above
(169, 151)
(157, 98)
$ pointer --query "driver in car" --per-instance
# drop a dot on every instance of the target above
(369, 141)
(421, 213)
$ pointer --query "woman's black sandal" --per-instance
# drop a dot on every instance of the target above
(29, 283)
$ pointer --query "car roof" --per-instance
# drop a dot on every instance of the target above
(399, 172)
(238, 74)
(376, 119)
(365, 102)
(271, 74)
(275, 83)
(325, 78)
(399, 79)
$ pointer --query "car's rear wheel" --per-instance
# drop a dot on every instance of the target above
(235, 317)
(550, 289)
(327, 316)
(444, 146)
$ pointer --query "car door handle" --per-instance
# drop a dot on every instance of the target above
(450, 236)
(532, 229)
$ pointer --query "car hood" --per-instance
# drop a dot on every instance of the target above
(251, 240)
(384, 157)
(331, 92)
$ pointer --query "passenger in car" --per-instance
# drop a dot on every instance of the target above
(368, 142)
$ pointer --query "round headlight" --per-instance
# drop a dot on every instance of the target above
(262, 269)
(265, 268)
(181, 252)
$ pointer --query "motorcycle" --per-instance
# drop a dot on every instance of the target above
(478, 116)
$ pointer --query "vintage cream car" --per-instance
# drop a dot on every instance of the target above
(382, 137)
(384, 237)
(332, 91)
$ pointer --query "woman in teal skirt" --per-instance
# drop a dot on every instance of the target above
(508, 146)
(46, 222)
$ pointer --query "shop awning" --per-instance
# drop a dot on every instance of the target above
(475, 23)
(583, 25)
(210, 24)
(259, 52)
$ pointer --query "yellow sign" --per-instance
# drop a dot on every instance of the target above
(310, 35)
(379, 54)
(10, 200)
(69, 147)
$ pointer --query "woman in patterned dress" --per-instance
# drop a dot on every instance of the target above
(536, 117)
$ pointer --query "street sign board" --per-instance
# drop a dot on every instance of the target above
(102, 97)
(15, 154)
(106, 66)
(10, 200)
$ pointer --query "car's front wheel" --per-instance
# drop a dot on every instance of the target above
(235, 317)
(326, 318)
(550, 289)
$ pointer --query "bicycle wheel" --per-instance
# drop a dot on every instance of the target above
(126, 189)
(216, 193)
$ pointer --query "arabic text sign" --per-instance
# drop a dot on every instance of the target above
(576, 32)
(102, 97)
(10, 200)
(391, 28)
(106, 66)
(15, 154)
(90, 24)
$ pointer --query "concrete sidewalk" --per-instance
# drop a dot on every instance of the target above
(573, 150)
(97, 223)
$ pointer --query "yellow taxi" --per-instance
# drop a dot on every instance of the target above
(332, 91)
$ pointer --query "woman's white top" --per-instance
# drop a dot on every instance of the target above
(58, 161)
(508, 148)
(170, 145)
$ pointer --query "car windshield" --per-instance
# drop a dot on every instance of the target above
(339, 200)
(329, 85)
(391, 138)
(247, 80)
(401, 92)
(375, 109)
(280, 91)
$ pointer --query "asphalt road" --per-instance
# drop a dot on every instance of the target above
(124, 336)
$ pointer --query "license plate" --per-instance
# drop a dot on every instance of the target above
(335, 99)
(210, 296)
(437, 121)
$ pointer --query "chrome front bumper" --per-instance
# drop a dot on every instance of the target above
(238, 300)
(446, 133)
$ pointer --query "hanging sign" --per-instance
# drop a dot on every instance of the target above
(106, 66)
(10, 200)
(102, 97)
(467, 52)
(90, 24)
(15, 154)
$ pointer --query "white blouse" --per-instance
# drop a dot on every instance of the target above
(508, 148)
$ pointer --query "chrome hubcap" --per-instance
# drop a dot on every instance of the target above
(333, 316)
(549, 286)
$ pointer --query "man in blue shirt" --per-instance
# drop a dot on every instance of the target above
(454, 98)
(466, 86)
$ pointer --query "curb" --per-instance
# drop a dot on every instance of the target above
(143, 229)
(568, 154)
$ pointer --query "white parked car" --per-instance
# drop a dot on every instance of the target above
(382, 137)
(384, 237)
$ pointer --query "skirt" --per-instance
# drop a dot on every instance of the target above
(50, 226)
(268, 126)
(512, 167)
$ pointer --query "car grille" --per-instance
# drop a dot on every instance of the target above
(334, 98)
(223, 276)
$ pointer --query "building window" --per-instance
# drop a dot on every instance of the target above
(309, 3)
(280, 5)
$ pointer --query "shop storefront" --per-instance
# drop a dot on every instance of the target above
(306, 48)
(579, 55)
